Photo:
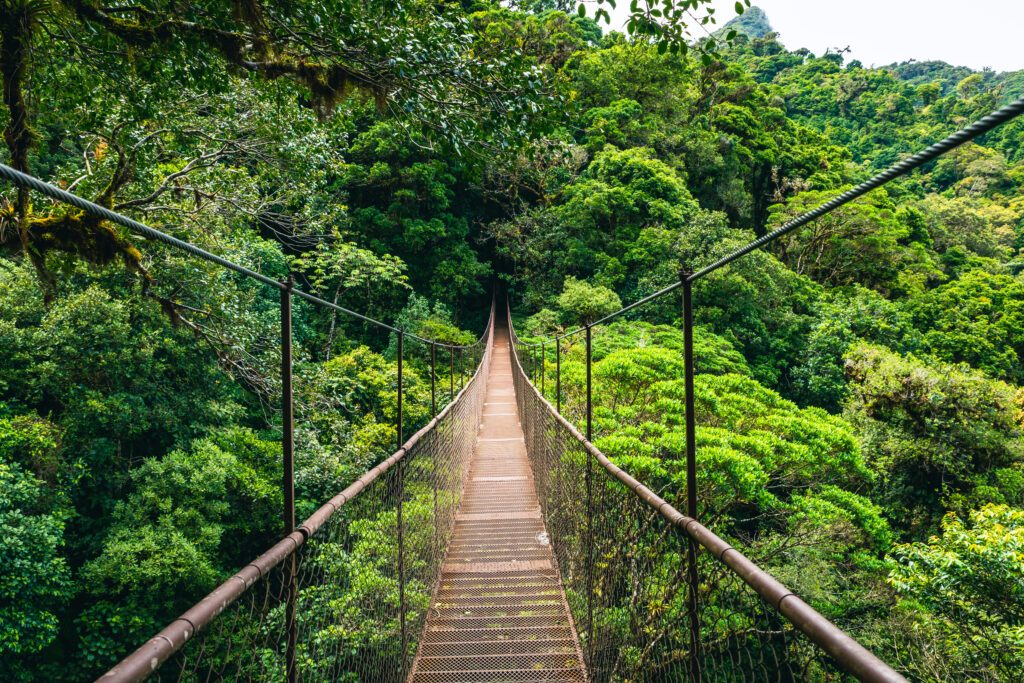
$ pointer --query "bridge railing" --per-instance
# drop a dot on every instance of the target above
(654, 594)
(344, 593)
(344, 597)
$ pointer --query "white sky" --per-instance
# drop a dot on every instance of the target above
(977, 33)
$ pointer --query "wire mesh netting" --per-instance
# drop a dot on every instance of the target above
(625, 567)
(351, 600)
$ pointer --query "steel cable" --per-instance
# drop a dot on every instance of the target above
(975, 130)
(30, 182)
(751, 628)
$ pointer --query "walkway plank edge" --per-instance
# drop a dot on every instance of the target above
(499, 613)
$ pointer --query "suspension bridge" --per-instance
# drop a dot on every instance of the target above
(497, 543)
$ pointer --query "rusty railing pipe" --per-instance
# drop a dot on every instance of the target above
(148, 657)
(853, 657)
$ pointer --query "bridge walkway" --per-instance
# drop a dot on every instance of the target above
(499, 613)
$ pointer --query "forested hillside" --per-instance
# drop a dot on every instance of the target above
(860, 401)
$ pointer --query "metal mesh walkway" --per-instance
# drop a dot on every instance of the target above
(499, 613)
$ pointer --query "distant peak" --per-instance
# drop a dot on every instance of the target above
(753, 23)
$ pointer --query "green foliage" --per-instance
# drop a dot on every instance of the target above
(175, 537)
(842, 318)
(35, 581)
(543, 323)
(431, 322)
(712, 354)
(415, 205)
(971, 576)
(867, 242)
(764, 308)
(977, 319)
(353, 277)
(758, 448)
(765, 466)
(421, 150)
(583, 303)
(979, 227)
(934, 433)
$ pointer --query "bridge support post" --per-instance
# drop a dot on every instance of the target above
(433, 380)
(451, 374)
(691, 477)
(533, 364)
(433, 459)
(543, 367)
(590, 500)
(558, 376)
(400, 473)
(288, 480)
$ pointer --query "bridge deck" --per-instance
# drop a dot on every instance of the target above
(499, 613)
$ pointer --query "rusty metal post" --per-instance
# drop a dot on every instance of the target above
(433, 380)
(288, 479)
(543, 367)
(691, 477)
(558, 376)
(451, 374)
(433, 458)
(462, 368)
(400, 522)
(401, 353)
(590, 500)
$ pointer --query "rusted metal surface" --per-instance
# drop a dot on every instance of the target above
(499, 612)
(851, 656)
(692, 578)
(266, 574)
(288, 477)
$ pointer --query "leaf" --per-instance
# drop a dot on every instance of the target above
(582, 10)
(739, 8)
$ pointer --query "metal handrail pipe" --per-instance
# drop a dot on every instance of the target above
(148, 657)
(851, 655)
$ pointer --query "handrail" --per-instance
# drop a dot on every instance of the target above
(850, 654)
(978, 128)
(157, 650)
(30, 182)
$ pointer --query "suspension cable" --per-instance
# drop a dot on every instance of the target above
(976, 129)
(24, 180)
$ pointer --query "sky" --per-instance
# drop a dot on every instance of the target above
(978, 33)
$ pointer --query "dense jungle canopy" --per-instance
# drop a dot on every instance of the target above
(860, 400)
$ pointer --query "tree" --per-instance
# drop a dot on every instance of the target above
(35, 579)
(938, 436)
(670, 24)
(417, 205)
(582, 303)
(345, 267)
(963, 223)
(173, 539)
(415, 60)
(844, 317)
(864, 242)
(971, 577)
(977, 319)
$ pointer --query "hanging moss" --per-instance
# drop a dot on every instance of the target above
(76, 233)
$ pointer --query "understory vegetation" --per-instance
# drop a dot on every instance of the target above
(860, 387)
